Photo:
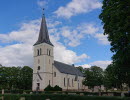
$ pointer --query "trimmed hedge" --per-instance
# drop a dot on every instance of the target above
(55, 88)
(60, 97)
(16, 91)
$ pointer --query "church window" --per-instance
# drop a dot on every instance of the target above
(72, 82)
(64, 82)
(54, 74)
(38, 68)
(68, 82)
(49, 82)
(40, 51)
(49, 52)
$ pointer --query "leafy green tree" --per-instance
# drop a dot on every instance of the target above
(9, 77)
(81, 69)
(16, 77)
(115, 17)
(26, 78)
(93, 76)
(111, 77)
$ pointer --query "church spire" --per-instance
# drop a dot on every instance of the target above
(43, 34)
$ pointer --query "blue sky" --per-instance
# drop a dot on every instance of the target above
(74, 28)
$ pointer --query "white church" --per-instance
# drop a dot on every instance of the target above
(47, 71)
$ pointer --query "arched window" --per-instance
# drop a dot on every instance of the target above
(68, 82)
(49, 52)
(64, 82)
(54, 74)
(38, 68)
(40, 51)
(72, 83)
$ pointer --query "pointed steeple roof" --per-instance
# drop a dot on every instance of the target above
(43, 34)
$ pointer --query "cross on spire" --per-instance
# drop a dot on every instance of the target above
(43, 11)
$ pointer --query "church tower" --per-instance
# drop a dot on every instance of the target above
(43, 60)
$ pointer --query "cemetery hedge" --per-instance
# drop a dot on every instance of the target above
(59, 97)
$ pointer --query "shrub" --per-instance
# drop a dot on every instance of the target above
(48, 88)
(57, 88)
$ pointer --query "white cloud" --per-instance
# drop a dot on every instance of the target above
(16, 55)
(61, 53)
(25, 34)
(74, 35)
(41, 3)
(21, 53)
(102, 39)
(85, 65)
(102, 64)
(76, 7)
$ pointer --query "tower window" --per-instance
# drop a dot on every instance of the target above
(54, 74)
(38, 68)
(38, 52)
(49, 52)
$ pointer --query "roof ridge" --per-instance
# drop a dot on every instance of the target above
(64, 63)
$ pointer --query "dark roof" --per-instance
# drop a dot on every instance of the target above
(67, 69)
(43, 34)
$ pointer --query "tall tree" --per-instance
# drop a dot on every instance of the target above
(111, 77)
(26, 78)
(115, 17)
(93, 76)
(16, 77)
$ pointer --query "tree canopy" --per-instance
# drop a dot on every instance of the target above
(93, 76)
(16, 77)
(115, 17)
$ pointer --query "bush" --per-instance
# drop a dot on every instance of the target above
(57, 88)
(48, 88)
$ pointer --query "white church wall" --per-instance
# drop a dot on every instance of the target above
(71, 85)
